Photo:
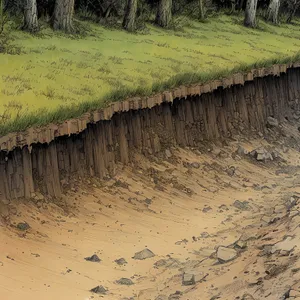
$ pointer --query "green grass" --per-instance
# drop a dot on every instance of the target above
(56, 77)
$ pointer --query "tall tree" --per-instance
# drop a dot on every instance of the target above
(201, 10)
(63, 15)
(30, 16)
(293, 5)
(272, 12)
(250, 13)
(130, 15)
(164, 13)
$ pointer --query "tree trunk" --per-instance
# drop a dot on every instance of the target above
(201, 10)
(130, 15)
(293, 6)
(30, 16)
(273, 9)
(164, 13)
(250, 13)
(63, 15)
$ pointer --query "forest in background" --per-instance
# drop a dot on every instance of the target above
(134, 13)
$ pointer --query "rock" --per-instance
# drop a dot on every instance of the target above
(161, 297)
(188, 279)
(99, 290)
(272, 122)
(93, 258)
(223, 207)
(294, 293)
(216, 152)
(206, 209)
(268, 219)
(168, 153)
(23, 226)
(195, 165)
(182, 241)
(241, 205)
(144, 254)
(175, 296)
(260, 157)
(288, 244)
(241, 244)
(226, 254)
(278, 209)
(247, 297)
(121, 261)
(230, 171)
(204, 235)
(241, 151)
(125, 281)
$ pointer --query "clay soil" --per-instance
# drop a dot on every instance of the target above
(182, 206)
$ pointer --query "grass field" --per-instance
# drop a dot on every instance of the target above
(56, 77)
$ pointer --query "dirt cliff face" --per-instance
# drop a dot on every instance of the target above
(185, 117)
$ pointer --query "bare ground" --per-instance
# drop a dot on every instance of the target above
(182, 206)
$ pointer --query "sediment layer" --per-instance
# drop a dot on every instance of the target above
(40, 160)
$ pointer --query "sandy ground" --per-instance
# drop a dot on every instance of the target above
(183, 209)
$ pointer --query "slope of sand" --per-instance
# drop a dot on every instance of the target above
(181, 207)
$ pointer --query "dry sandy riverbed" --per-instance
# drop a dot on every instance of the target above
(182, 208)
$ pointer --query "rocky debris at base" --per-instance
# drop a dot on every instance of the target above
(272, 122)
(241, 151)
(121, 261)
(247, 297)
(188, 279)
(175, 296)
(225, 254)
(144, 254)
(269, 219)
(242, 205)
(23, 226)
(124, 281)
(93, 258)
(99, 290)
(279, 209)
(206, 209)
(184, 241)
(240, 244)
(286, 245)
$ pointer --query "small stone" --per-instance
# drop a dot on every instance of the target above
(241, 244)
(216, 152)
(99, 290)
(260, 157)
(204, 235)
(279, 209)
(168, 153)
(195, 165)
(121, 261)
(161, 297)
(23, 226)
(230, 171)
(188, 279)
(93, 258)
(272, 122)
(242, 205)
(267, 219)
(247, 297)
(226, 254)
(206, 209)
(294, 293)
(241, 151)
(125, 281)
(144, 254)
